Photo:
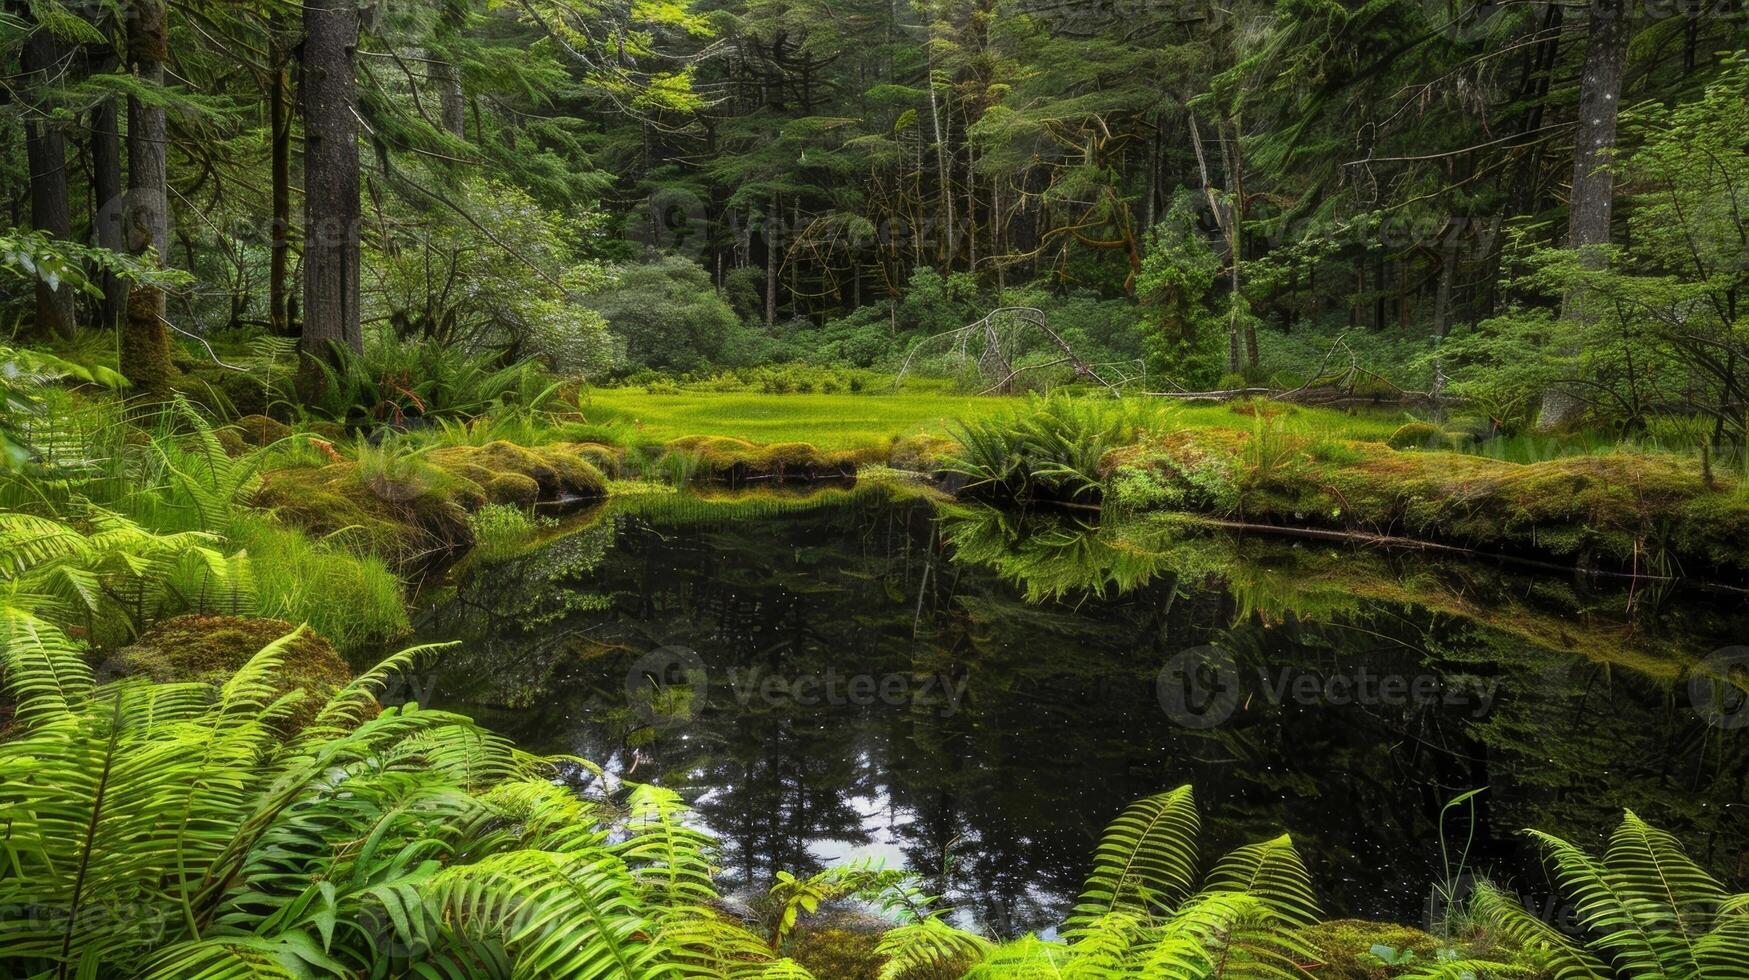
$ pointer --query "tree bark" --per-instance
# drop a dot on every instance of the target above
(1593, 197)
(446, 72)
(280, 120)
(145, 342)
(44, 57)
(331, 184)
(109, 201)
(768, 229)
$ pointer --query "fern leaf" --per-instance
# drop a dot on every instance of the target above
(1146, 859)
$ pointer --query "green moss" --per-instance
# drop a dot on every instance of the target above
(391, 518)
(838, 953)
(1413, 435)
(209, 649)
(405, 508)
(849, 954)
(1344, 947)
(259, 430)
(1611, 508)
(512, 488)
(726, 458)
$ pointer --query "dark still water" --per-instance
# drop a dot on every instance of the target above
(975, 695)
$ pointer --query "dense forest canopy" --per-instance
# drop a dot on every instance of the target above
(1533, 205)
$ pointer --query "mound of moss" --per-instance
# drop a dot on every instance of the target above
(1411, 435)
(735, 460)
(209, 649)
(1615, 508)
(1345, 947)
(419, 504)
(259, 430)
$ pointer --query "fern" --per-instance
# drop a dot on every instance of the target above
(1146, 860)
(185, 837)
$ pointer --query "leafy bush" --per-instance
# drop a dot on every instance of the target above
(1186, 334)
(667, 314)
(512, 291)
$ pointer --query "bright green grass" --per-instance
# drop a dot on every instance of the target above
(827, 421)
(856, 421)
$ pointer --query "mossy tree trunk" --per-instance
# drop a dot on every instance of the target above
(145, 337)
(279, 101)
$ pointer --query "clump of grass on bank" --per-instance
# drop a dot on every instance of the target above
(351, 598)
(503, 531)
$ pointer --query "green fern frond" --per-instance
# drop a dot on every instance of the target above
(41, 669)
(1503, 912)
(1146, 860)
(929, 945)
(1272, 872)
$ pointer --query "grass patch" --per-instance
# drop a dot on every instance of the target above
(829, 422)
(843, 421)
(352, 599)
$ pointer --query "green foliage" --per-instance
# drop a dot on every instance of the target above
(502, 530)
(104, 570)
(394, 381)
(347, 595)
(1052, 448)
(168, 830)
(499, 275)
(1646, 907)
(1142, 914)
(56, 262)
(1186, 337)
(667, 315)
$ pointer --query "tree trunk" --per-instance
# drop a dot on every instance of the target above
(145, 341)
(1593, 197)
(770, 233)
(279, 98)
(331, 184)
(108, 201)
(446, 70)
(44, 59)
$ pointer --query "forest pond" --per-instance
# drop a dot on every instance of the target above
(974, 694)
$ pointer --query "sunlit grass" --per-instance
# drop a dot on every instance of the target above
(854, 421)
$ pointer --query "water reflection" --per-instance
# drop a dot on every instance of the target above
(977, 694)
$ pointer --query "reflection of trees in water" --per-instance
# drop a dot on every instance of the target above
(1003, 800)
